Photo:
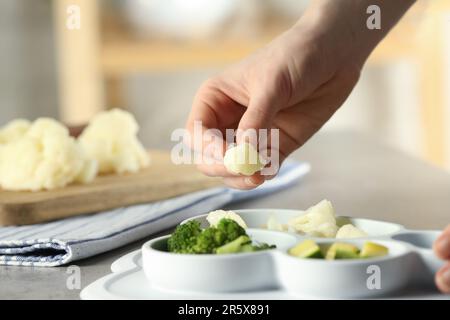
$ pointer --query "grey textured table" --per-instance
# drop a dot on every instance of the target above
(361, 176)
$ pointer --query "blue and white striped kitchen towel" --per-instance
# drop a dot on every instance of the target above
(63, 241)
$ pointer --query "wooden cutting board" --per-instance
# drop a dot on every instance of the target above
(161, 180)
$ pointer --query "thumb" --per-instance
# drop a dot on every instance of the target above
(260, 112)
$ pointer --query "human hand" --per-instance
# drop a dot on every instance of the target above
(442, 249)
(294, 84)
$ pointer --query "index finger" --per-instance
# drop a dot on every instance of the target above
(212, 113)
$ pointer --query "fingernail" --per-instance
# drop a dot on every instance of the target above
(443, 244)
(443, 279)
(249, 181)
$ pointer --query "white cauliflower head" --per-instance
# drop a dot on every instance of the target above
(214, 218)
(319, 220)
(274, 224)
(111, 139)
(14, 130)
(44, 157)
(350, 231)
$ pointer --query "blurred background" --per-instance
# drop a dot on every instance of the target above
(150, 56)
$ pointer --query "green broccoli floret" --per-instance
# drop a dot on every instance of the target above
(231, 229)
(227, 237)
(210, 239)
(184, 237)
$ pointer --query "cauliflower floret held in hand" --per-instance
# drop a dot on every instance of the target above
(243, 159)
(42, 156)
(111, 139)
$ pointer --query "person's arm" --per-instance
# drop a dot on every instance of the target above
(346, 20)
(295, 83)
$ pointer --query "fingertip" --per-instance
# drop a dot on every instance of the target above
(254, 180)
(244, 182)
(442, 279)
(442, 245)
(270, 171)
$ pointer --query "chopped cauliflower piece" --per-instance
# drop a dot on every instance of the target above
(243, 159)
(326, 230)
(111, 139)
(88, 172)
(350, 231)
(214, 218)
(318, 220)
(274, 224)
(43, 156)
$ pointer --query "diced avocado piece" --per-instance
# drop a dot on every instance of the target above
(233, 246)
(371, 249)
(345, 254)
(306, 249)
(341, 250)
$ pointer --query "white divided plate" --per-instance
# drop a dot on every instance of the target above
(128, 282)
(151, 273)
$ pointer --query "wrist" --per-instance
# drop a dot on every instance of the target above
(341, 26)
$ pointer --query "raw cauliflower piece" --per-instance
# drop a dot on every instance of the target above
(14, 130)
(350, 231)
(318, 221)
(274, 224)
(111, 139)
(44, 157)
(214, 218)
(89, 170)
(243, 159)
